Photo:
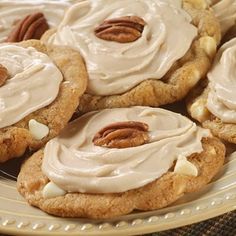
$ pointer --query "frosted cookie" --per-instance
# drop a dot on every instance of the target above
(215, 105)
(40, 87)
(225, 11)
(139, 53)
(31, 17)
(109, 163)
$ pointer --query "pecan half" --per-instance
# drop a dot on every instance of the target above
(3, 75)
(123, 30)
(122, 135)
(31, 27)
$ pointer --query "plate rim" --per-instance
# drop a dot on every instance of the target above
(148, 224)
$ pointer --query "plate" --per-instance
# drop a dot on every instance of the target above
(17, 217)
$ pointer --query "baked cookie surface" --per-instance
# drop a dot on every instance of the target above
(212, 104)
(133, 68)
(37, 126)
(99, 181)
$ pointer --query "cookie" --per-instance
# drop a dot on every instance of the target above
(45, 84)
(109, 163)
(213, 104)
(15, 14)
(148, 53)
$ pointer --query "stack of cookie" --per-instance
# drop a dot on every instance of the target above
(81, 89)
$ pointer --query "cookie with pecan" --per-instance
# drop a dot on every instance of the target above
(40, 90)
(139, 53)
(146, 159)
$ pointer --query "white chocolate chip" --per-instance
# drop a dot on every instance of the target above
(199, 111)
(38, 130)
(185, 167)
(147, 112)
(196, 75)
(212, 151)
(51, 190)
(208, 44)
(181, 188)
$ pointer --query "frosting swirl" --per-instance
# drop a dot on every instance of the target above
(34, 83)
(113, 67)
(13, 10)
(225, 11)
(75, 164)
(222, 98)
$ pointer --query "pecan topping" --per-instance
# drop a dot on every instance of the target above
(3, 75)
(122, 135)
(31, 27)
(123, 30)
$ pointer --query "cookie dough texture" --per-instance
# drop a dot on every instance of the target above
(197, 108)
(16, 139)
(182, 76)
(155, 195)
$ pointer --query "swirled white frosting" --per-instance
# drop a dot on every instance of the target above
(13, 10)
(115, 67)
(222, 97)
(75, 164)
(225, 11)
(34, 83)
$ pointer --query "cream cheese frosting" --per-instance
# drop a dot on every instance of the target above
(13, 10)
(75, 164)
(34, 83)
(225, 11)
(222, 97)
(114, 67)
